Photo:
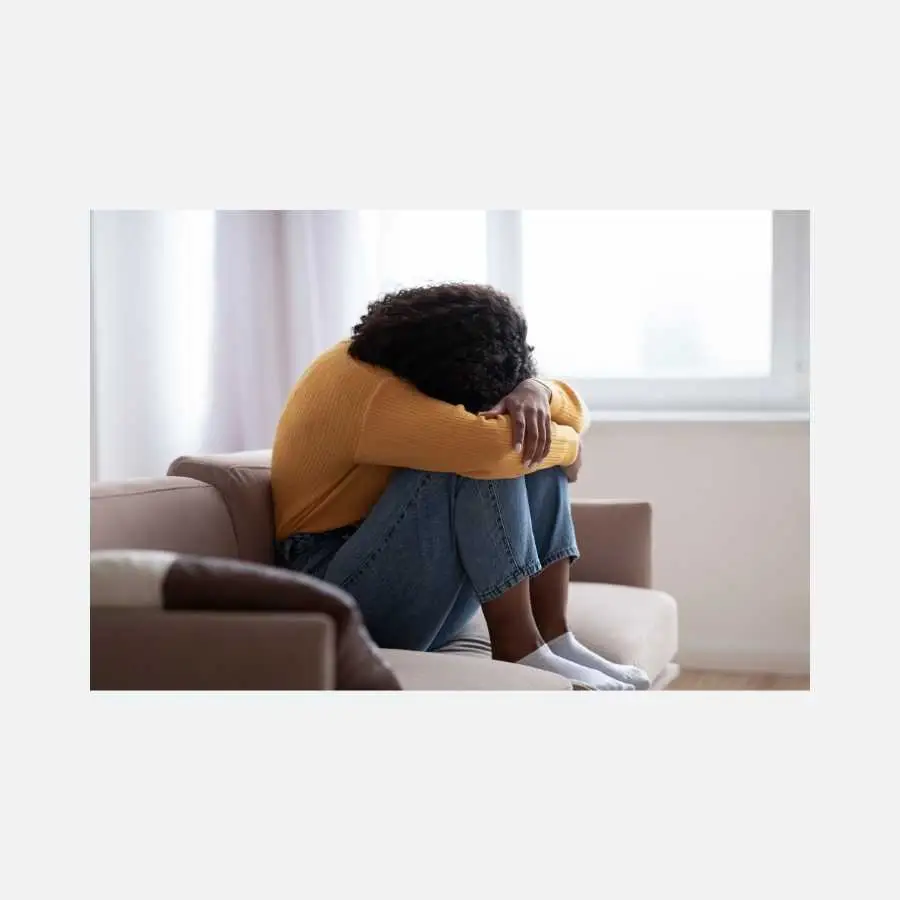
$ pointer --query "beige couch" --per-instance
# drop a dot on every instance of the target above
(221, 506)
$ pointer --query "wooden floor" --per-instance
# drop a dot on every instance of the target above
(736, 681)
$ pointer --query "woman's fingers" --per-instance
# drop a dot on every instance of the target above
(537, 441)
(533, 441)
(545, 435)
(520, 431)
(531, 434)
(540, 439)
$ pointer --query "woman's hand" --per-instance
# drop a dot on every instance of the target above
(529, 408)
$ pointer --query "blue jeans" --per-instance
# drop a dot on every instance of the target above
(435, 546)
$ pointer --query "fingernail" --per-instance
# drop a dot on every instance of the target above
(527, 463)
(518, 448)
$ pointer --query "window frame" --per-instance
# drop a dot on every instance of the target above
(784, 391)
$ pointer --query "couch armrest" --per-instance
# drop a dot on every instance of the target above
(153, 649)
(243, 481)
(614, 539)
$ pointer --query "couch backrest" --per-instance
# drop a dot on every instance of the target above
(181, 515)
(244, 482)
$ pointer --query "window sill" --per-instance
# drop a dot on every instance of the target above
(686, 416)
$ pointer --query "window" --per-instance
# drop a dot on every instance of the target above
(642, 310)
(654, 295)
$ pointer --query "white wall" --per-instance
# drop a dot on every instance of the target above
(731, 531)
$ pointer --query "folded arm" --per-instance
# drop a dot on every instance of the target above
(566, 407)
(404, 428)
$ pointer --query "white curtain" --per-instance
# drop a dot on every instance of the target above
(202, 322)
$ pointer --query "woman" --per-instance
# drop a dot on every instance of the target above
(422, 467)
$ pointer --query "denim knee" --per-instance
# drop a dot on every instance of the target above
(551, 515)
(492, 528)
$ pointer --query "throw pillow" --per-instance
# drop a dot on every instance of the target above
(181, 582)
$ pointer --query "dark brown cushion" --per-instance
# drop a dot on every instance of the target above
(180, 582)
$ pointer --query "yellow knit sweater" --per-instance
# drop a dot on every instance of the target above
(347, 425)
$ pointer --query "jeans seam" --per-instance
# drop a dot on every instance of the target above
(571, 551)
(509, 550)
(527, 572)
(368, 560)
(521, 573)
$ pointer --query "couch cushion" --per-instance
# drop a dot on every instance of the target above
(448, 672)
(624, 624)
(176, 514)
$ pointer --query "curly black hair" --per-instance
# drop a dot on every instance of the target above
(464, 344)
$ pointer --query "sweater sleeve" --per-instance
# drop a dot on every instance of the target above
(403, 428)
(567, 407)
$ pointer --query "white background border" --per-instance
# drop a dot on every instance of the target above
(488, 105)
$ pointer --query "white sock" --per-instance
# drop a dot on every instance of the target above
(544, 658)
(566, 647)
